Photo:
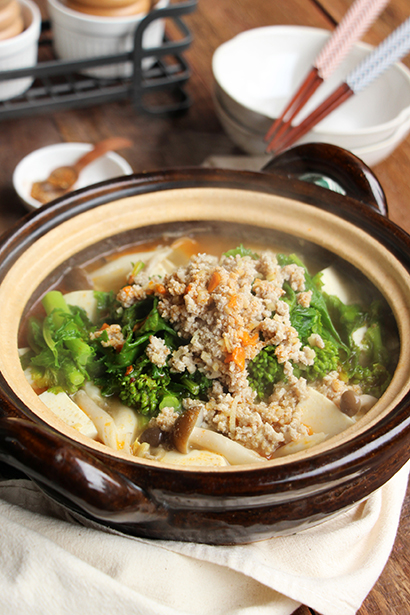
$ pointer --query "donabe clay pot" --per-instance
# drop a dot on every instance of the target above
(212, 505)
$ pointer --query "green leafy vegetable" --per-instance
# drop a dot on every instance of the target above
(63, 355)
(242, 251)
(371, 364)
(60, 351)
(327, 316)
(318, 300)
(130, 374)
(265, 371)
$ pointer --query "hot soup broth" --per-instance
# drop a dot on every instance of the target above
(204, 351)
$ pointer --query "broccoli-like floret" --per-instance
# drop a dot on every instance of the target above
(374, 379)
(148, 388)
(327, 360)
(142, 385)
(142, 392)
(264, 371)
(196, 384)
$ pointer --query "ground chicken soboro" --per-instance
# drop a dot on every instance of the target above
(229, 309)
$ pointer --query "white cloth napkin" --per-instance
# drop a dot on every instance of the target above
(52, 564)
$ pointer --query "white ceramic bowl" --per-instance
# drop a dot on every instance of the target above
(38, 165)
(373, 154)
(79, 36)
(259, 70)
(251, 141)
(20, 51)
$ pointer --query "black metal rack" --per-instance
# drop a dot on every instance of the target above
(60, 84)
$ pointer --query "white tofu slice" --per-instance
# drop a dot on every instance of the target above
(69, 412)
(358, 336)
(300, 444)
(84, 299)
(336, 283)
(114, 274)
(367, 402)
(194, 458)
(182, 250)
(323, 416)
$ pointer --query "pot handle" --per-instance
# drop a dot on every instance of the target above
(331, 167)
(74, 474)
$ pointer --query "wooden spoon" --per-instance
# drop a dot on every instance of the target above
(63, 178)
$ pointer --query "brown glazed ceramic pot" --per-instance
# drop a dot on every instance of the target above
(212, 505)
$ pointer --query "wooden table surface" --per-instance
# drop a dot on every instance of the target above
(190, 138)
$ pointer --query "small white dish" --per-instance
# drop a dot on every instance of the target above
(20, 51)
(258, 71)
(38, 165)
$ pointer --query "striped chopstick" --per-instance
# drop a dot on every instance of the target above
(354, 24)
(391, 50)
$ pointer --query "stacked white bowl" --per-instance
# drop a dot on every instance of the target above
(257, 72)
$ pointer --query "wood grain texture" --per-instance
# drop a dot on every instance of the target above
(189, 139)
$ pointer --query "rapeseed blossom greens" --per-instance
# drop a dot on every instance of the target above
(63, 356)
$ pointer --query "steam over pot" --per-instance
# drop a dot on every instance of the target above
(217, 505)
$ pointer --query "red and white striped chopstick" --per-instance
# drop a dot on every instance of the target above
(354, 24)
(391, 50)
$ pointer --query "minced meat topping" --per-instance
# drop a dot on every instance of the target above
(227, 310)
(113, 334)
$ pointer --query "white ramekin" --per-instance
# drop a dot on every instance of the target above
(78, 36)
(20, 51)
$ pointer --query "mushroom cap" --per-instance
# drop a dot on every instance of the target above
(183, 428)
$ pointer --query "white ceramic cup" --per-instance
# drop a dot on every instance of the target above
(78, 36)
(20, 51)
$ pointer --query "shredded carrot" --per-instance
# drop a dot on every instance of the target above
(214, 281)
(188, 288)
(233, 303)
(129, 370)
(127, 289)
(247, 340)
(160, 288)
(104, 326)
(237, 356)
